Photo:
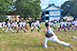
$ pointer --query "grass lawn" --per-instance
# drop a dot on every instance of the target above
(35, 40)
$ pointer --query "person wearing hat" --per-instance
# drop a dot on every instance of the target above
(20, 26)
(8, 27)
(52, 37)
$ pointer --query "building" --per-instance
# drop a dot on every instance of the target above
(12, 17)
(68, 17)
(52, 12)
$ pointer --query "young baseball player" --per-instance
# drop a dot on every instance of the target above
(14, 25)
(72, 24)
(75, 25)
(1, 26)
(4, 24)
(65, 25)
(20, 26)
(24, 25)
(69, 23)
(38, 24)
(52, 37)
(61, 26)
(8, 27)
(34, 26)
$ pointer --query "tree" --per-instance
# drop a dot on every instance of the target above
(5, 7)
(28, 7)
(72, 9)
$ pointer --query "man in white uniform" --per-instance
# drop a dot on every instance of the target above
(1, 26)
(8, 27)
(14, 25)
(75, 25)
(38, 24)
(52, 37)
(34, 26)
(4, 24)
(20, 26)
(24, 25)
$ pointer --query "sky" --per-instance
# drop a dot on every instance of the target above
(44, 3)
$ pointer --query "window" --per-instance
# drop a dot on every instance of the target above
(47, 12)
(47, 18)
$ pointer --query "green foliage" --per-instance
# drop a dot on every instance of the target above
(28, 7)
(72, 10)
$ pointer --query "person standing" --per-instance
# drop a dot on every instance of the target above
(8, 27)
(34, 26)
(30, 22)
(20, 26)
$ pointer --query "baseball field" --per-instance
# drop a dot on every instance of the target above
(35, 40)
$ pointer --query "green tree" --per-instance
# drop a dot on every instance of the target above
(71, 9)
(5, 7)
(28, 7)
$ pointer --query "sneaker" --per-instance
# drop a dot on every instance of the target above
(13, 32)
(70, 46)
(5, 33)
(17, 32)
(25, 31)
(44, 47)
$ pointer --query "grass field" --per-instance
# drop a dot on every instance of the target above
(35, 40)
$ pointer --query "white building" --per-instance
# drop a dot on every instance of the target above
(52, 12)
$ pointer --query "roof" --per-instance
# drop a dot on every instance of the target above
(68, 15)
(52, 5)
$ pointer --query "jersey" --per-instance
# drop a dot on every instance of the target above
(0, 24)
(50, 31)
(65, 23)
(24, 23)
(3, 23)
(20, 24)
(13, 24)
(75, 23)
(37, 22)
(8, 24)
(61, 24)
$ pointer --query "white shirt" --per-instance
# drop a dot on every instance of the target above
(69, 23)
(0, 24)
(13, 24)
(75, 23)
(51, 24)
(24, 23)
(3, 23)
(37, 22)
(20, 23)
(65, 23)
(8, 24)
(50, 31)
(61, 23)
